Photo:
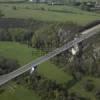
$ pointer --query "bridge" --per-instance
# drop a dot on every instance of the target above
(84, 35)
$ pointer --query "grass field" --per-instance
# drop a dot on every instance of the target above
(17, 51)
(20, 52)
(11, 0)
(24, 0)
(48, 13)
(17, 92)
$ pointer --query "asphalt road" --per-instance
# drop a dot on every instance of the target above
(85, 35)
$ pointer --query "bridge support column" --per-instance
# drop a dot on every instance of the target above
(33, 69)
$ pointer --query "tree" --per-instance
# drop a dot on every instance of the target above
(89, 86)
(14, 7)
(97, 95)
(7, 65)
(1, 14)
(5, 36)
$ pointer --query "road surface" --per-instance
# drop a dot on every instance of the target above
(85, 35)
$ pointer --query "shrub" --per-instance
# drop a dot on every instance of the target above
(14, 7)
(7, 65)
(1, 14)
(89, 86)
(97, 95)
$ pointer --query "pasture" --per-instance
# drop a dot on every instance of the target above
(18, 92)
(45, 12)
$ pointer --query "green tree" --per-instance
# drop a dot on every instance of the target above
(88, 85)
(1, 14)
(7, 65)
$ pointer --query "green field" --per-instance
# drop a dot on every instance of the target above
(65, 0)
(48, 13)
(17, 92)
(11, 0)
(17, 51)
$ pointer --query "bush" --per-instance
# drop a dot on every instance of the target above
(42, 8)
(97, 95)
(1, 14)
(1, 90)
(5, 36)
(14, 7)
(7, 65)
(89, 86)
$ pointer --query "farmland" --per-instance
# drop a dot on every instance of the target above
(48, 13)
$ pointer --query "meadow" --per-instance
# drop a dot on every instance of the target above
(18, 92)
(46, 12)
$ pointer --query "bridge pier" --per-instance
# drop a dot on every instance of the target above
(33, 69)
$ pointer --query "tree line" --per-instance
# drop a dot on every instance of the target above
(7, 65)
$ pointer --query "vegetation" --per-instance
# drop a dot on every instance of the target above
(21, 53)
(1, 14)
(7, 65)
(17, 92)
(15, 51)
(64, 77)
(52, 73)
(48, 13)
(48, 70)
(51, 36)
